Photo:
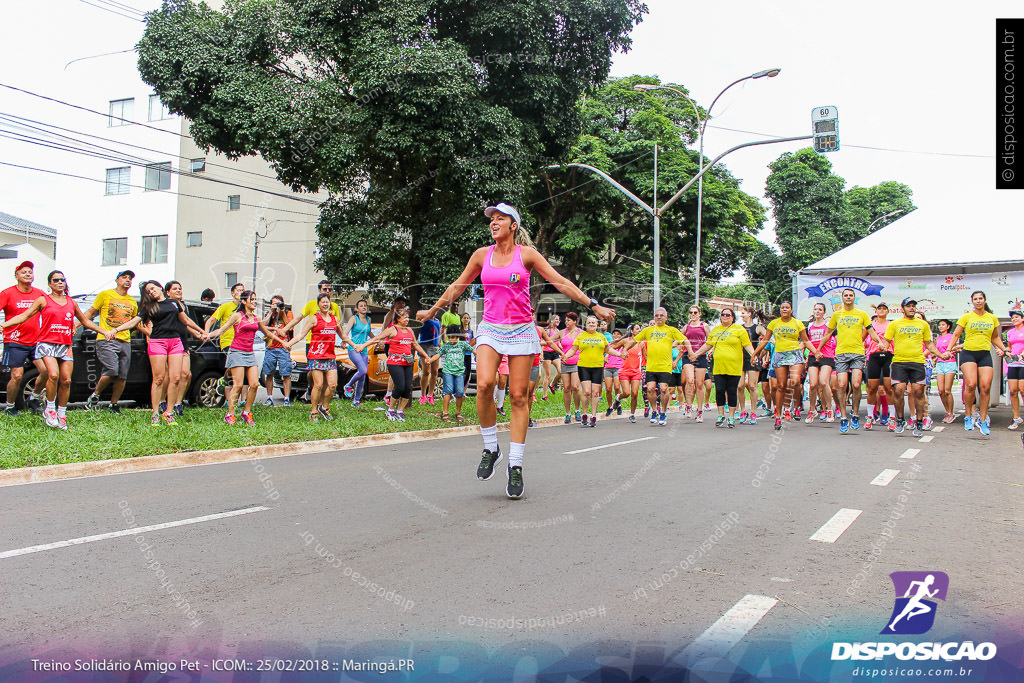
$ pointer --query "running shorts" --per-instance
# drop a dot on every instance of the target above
(568, 369)
(787, 358)
(1014, 372)
(908, 373)
(534, 373)
(611, 373)
(813, 362)
(630, 375)
(551, 355)
(115, 357)
(945, 367)
(845, 362)
(879, 365)
(982, 358)
(58, 351)
(17, 355)
(677, 379)
(701, 362)
(593, 375)
(659, 378)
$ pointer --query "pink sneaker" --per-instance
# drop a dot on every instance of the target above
(247, 419)
(229, 419)
(51, 418)
(62, 423)
(423, 400)
(430, 399)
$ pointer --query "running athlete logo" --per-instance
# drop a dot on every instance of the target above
(916, 595)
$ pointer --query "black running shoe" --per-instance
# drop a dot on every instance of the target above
(179, 409)
(33, 404)
(325, 413)
(515, 487)
(533, 423)
(115, 409)
(632, 418)
(608, 413)
(501, 411)
(593, 420)
(488, 460)
(12, 411)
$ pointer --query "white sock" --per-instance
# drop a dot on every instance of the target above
(499, 398)
(892, 410)
(51, 405)
(490, 435)
(515, 454)
(62, 411)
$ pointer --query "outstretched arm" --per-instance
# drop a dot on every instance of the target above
(470, 273)
(533, 260)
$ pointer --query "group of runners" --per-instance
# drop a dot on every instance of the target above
(514, 354)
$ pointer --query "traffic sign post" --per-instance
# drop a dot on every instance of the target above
(825, 127)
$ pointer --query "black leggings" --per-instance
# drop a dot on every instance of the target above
(725, 389)
(401, 375)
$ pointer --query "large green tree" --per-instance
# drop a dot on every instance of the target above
(413, 113)
(816, 216)
(603, 239)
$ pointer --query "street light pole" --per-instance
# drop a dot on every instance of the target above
(701, 125)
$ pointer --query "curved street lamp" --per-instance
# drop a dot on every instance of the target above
(701, 125)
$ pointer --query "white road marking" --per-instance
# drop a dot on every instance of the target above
(730, 628)
(884, 478)
(608, 445)
(926, 439)
(126, 532)
(910, 453)
(937, 429)
(834, 528)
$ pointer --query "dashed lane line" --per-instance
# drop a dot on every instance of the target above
(608, 445)
(910, 453)
(126, 532)
(730, 628)
(885, 478)
(834, 528)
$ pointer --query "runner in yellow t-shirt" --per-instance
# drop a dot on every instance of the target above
(850, 324)
(980, 328)
(225, 311)
(790, 337)
(592, 347)
(115, 306)
(660, 339)
(910, 336)
(729, 340)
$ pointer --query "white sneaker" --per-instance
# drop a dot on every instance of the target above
(51, 418)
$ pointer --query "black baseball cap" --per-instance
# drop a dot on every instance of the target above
(909, 300)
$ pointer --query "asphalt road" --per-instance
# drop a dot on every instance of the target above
(655, 540)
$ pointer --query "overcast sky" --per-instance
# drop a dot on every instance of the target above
(913, 83)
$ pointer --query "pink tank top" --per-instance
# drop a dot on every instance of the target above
(566, 342)
(697, 335)
(506, 291)
(880, 328)
(245, 332)
(816, 332)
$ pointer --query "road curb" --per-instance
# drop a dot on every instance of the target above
(146, 463)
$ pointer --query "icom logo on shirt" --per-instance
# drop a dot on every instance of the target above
(916, 595)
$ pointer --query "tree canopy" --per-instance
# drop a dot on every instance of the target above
(816, 216)
(414, 114)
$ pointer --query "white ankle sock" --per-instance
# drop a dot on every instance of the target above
(499, 398)
(490, 435)
(515, 454)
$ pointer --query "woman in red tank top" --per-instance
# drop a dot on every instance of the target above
(321, 356)
(241, 361)
(401, 343)
(507, 328)
(57, 315)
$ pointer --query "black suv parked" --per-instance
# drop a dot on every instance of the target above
(207, 366)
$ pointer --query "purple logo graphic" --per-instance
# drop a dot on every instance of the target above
(916, 595)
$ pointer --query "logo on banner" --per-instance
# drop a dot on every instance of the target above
(855, 283)
(916, 595)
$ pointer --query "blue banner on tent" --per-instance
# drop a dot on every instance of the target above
(855, 283)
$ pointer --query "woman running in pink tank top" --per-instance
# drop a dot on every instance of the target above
(507, 329)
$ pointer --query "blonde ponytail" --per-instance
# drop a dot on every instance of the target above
(522, 238)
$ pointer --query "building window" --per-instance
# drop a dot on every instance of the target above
(194, 239)
(230, 280)
(158, 111)
(115, 252)
(198, 166)
(234, 202)
(118, 179)
(158, 176)
(154, 249)
(121, 109)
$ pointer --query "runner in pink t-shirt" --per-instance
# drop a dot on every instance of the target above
(1015, 368)
(819, 370)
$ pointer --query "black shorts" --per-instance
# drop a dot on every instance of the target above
(677, 379)
(701, 362)
(813, 362)
(879, 365)
(1015, 373)
(595, 375)
(659, 377)
(551, 355)
(982, 358)
(18, 355)
(762, 376)
(908, 373)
